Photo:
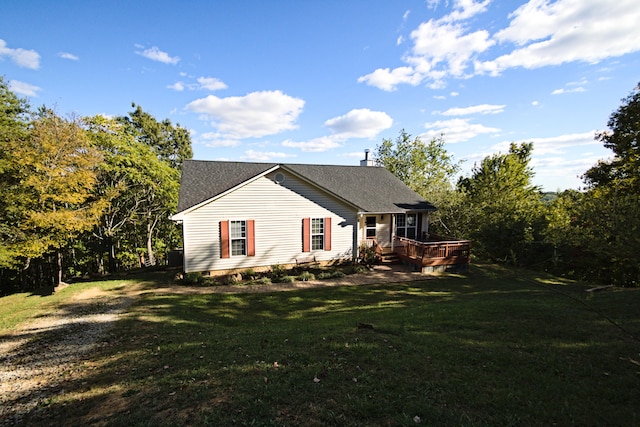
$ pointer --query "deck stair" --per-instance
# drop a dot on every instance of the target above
(387, 257)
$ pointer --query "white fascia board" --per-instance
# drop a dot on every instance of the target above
(180, 215)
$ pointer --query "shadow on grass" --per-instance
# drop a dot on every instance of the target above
(486, 349)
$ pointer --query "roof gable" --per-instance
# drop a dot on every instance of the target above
(370, 189)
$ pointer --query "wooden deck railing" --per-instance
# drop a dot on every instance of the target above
(433, 253)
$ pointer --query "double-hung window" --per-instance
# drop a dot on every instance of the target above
(317, 233)
(238, 237)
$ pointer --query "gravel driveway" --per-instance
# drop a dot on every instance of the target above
(38, 355)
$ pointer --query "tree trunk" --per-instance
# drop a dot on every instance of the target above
(59, 265)
(150, 227)
(112, 255)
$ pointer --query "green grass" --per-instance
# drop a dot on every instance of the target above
(17, 308)
(494, 347)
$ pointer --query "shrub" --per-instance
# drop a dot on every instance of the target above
(277, 271)
(368, 255)
(263, 281)
(288, 279)
(191, 279)
(355, 269)
(337, 274)
(325, 275)
(249, 273)
(306, 276)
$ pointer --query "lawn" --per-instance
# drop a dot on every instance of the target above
(493, 347)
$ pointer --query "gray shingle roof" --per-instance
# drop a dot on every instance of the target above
(371, 189)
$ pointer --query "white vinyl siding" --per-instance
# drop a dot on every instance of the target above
(278, 211)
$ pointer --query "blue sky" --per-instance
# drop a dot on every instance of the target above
(320, 81)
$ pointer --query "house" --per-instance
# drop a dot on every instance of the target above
(238, 215)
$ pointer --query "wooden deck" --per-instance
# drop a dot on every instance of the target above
(438, 254)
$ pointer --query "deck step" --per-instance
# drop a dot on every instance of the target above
(390, 258)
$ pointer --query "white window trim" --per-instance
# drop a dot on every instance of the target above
(312, 234)
(231, 238)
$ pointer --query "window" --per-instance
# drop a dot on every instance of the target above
(407, 225)
(370, 227)
(317, 233)
(238, 237)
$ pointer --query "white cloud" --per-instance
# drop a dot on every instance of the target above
(554, 145)
(177, 86)
(254, 115)
(386, 79)
(211, 83)
(67, 55)
(456, 130)
(546, 33)
(540, 33)
(216, 140)
(264, 156)
(316, 145)
(155, 54)
(441, 48)
(23, 88)
(21, 57)
(465, 9)
(476, 109)
(574, 90)
(206, 83)
(359, 123)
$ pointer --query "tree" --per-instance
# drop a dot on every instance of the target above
(52, 201)
(142, 186)
(171, 144)
(14, 122)
(427, 168)
(608, 222)
(505, 208)
(623, 138)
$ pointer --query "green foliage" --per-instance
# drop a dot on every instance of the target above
(305, 276)
(427, 168)
(277, 271)
(596, 233)
(264, 281)
(14, 115)
(505, 211)
(191, 279)
(368, 255)
(78, 192)
(623, 138)
(140, 176)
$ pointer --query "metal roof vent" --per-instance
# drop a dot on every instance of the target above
(367, 161)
